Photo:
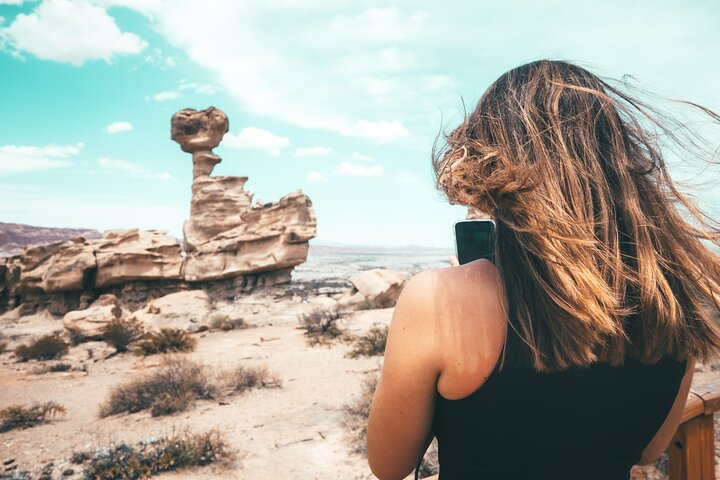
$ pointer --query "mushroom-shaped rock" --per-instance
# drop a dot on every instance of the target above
(198, 132)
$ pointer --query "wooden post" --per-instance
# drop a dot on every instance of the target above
(692, 450)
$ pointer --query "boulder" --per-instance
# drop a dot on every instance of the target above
(184, 310)
(56, 267)
(270, 238)
(379, 287)
(127, 255)
(89, 324)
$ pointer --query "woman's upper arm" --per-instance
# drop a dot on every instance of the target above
(402, 409)
(662, 438)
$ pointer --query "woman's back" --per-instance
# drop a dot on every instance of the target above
(585, 423)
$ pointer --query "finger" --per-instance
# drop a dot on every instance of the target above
(454, 262)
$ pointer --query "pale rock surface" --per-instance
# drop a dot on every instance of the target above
(379, 287)
(184, 310)
(125, 255)
(56, 267)
(90, 323)
(227, 235)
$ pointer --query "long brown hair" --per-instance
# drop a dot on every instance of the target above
(597, 259)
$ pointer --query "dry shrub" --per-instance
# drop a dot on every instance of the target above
(3, 343)
(245, 378)
(356, 415)
(165, 341)
(46, 347)
(121, 332)
(179, 383)
(151, 458)
(57, 367)
(372, 343)
(18, 416)
(220, 321)
(171, 389)
(321, 326)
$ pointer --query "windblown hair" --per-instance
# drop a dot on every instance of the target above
(601, 255)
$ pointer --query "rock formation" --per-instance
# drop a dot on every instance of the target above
(226, 235)
(230, 245)
(15, 237)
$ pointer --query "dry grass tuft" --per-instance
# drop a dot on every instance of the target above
(120, 333)
(152, 458)
(372, 343)
(321, 326)
(356, 415)
(165, 341)
(220, 321)
(18, 416)
(179, 383)
(171, 389)
(46, 347)
(245, 378)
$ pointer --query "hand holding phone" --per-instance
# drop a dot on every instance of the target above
(474, 239)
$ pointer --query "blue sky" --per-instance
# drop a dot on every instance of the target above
(340, 99)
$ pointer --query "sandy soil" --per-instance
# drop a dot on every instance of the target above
(293, 432)
(296, 431)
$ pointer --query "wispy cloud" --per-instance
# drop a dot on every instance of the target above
(362, 158)
(132, 169)
(24, 158)
(347, 168)
(316, 177)
(203, 89)
(252, 138)
(162, 96)
(313, 152)
(118, 127)
(70, 32)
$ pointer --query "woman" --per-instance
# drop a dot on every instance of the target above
(571, 357)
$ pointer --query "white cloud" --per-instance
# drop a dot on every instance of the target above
(313, 152)
(362, 158)
(347, 168)
(307, 81)
(117, 127)
(22, 158)
(161, 96)
(252, 138)
(381, 131)
(198, 88)
(132, 169)
(316, 177)
(378, 25)
(70, 32)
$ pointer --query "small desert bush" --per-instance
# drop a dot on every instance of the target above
(165, 341)
(46, 347)
(178, 384)
(151, 458)
(57, 367)
(220, 321)
(321, 326)
(248, 377)
(121, 332)
(3, 343)
(356, 414)
(171, 389)
(18, 416)
(372, 343)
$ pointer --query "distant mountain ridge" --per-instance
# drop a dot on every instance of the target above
(14, 237)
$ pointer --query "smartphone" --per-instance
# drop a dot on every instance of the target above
(474, 239)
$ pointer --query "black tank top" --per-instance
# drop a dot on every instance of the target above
(591, 423)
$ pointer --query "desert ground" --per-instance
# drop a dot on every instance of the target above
(296, 431)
